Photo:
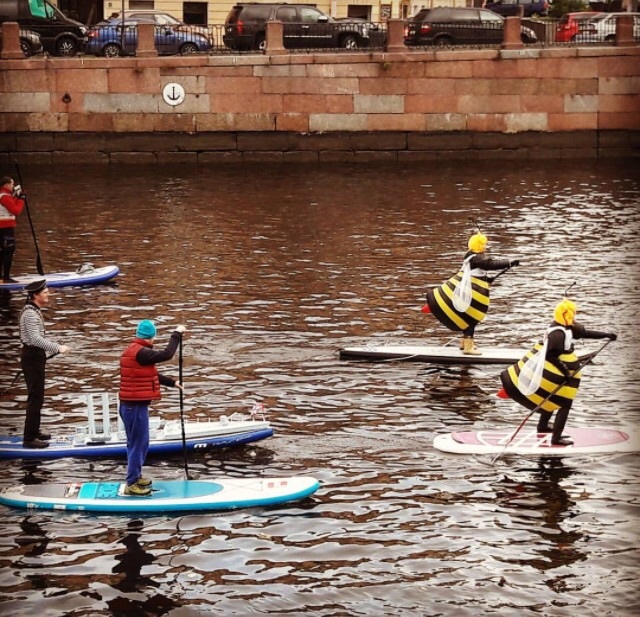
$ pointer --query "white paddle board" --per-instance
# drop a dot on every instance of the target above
(595, 440)
(80, 277)
(167, 496)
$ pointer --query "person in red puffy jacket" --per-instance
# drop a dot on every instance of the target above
(11, 205)
(139, 385)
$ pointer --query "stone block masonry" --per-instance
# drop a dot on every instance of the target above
(403, 106)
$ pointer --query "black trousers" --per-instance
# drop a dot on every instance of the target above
(33, 361)
(7, 249)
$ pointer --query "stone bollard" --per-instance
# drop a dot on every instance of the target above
(395, 36)
(146, 47)
(275, 38)
(512, 35)
(11, 41)
(624, 31)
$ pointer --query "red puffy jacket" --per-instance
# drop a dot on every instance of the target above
(137, 382)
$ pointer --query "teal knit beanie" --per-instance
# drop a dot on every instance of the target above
(146, 329)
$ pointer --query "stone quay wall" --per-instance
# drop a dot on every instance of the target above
(405, 105)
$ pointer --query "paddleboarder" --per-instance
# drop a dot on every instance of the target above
(35, 349)
(462, 302)
(547, 378)
(140, 384)
(11, 205)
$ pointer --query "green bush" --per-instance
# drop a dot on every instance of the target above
(560, 7)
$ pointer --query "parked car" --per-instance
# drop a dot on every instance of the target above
(304, 27)
(445, 26)
(160, 18)
(60, 35)
(30, 42)
(114, 39)
(602, 28)
(508, 8)
(571, 24)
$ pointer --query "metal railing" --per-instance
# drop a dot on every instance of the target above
(345, 36)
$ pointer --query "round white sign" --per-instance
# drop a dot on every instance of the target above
(173, 94)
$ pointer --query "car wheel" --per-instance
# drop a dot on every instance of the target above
(25, 46)
(261, 42)
(189, 48)
(66, 47)
(349, 42)
(111, 50)
(443, 41)
(610, 39)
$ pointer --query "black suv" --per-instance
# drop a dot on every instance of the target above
(305, 27)
(445, 26)
(60, 35)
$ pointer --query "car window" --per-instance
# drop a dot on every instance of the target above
(464, 15)
(255, 13)
(490, 16)
(309, 15)
(287, 14)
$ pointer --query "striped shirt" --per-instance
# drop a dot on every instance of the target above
(32, 330)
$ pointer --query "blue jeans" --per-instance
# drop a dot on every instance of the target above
(135, 416)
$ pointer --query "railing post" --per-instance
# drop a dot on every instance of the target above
(512, 35)
(275, 38)
(11, 41)
(395, 35)
(146, 47)
(624, 31)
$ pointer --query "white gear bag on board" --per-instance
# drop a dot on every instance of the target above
(462, 293)
(531, 373)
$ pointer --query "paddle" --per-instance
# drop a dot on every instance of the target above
(17, 375)
(184, 437)
(33, 231)
(580, 366)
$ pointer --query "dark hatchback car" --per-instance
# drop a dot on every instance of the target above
(30, 43)
(447, 26)
(509, 8)
(305, 27)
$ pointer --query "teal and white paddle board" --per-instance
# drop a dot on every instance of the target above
(167, 496)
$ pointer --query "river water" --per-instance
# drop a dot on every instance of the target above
(273, 270)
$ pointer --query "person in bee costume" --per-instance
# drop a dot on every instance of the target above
(462, 302)
(546, 378)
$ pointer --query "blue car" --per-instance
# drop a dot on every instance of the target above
(113, 38)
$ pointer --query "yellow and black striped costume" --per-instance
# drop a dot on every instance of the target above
(440, 299)
(552, 377)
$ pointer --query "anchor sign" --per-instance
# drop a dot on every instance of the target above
(173, 94)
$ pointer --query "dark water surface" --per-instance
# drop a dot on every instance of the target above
(273, 269)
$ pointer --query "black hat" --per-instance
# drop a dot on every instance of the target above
(36, 286)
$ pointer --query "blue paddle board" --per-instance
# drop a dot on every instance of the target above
(83, 276)
(167, 496)
(61, 447)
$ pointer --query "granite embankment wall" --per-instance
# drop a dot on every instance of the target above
(405, 106)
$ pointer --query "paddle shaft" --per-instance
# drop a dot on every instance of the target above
(184, 437)
(17, 375)
(580, 366)
(33, 231)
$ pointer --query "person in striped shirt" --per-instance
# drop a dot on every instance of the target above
(35, 349)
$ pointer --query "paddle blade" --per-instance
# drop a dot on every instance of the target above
(425, 309)
(502, 393)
